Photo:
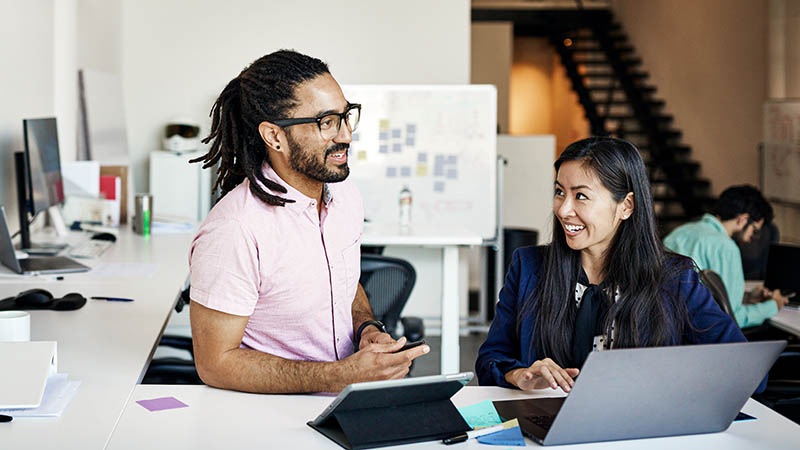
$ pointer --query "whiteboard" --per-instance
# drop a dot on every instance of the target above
(440, 141)
(780, 176)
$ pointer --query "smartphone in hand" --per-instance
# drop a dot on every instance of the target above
(411, 345)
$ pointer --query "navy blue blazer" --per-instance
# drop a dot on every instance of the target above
(506, 349)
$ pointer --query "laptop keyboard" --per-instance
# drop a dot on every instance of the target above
(542, 421)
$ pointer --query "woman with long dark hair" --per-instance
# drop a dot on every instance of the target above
(604, 282)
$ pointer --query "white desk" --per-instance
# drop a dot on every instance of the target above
(787, 319)
(448, 240)
(105, 345)
(225, 419)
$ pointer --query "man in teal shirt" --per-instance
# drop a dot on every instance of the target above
(740, 212)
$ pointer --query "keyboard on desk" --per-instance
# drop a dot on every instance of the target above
(543, 421)
(91, 248)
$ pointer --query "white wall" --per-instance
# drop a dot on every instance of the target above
(784, 83)
(177, 57)
(99, 35)
(709, 61)
(492, 47)
(27, 41)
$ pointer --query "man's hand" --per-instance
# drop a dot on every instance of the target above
(372, 335)
(780, 299)
(378, 361)
(541, 374)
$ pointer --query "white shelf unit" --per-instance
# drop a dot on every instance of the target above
(180, 190)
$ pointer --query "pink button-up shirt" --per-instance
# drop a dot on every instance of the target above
(292, 271)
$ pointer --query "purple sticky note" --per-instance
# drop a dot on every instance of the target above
(157, 404)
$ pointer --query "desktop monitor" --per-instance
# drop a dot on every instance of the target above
(45, 187)
(39, 182)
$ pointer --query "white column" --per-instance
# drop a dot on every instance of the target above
(450, 316)
(65, 76)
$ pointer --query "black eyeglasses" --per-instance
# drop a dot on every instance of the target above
(329, 124)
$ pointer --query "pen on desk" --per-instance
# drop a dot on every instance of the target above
(472, 434)
(5, 418)
(113, 299)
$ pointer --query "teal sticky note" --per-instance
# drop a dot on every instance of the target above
(480, 415)
(511, 436)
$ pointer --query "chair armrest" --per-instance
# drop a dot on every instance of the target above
(171, 371)
(179, 342)
(413, 328)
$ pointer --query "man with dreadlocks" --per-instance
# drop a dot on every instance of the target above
(275, 265)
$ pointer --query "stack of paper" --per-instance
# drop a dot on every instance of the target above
(57, 395)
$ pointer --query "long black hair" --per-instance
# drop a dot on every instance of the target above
(635, 265)
(263, 91)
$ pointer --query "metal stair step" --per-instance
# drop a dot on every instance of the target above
(667, 134)
(658, 118)
(631, 62)
(593, 59)
(651, 103)
(623, 50)
(594, 86)
(612, 75)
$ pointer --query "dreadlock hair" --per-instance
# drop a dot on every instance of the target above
(645, 314)
(263, 91)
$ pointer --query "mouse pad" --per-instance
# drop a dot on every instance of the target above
(69, 302)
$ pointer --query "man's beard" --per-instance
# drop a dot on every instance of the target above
(307, 163)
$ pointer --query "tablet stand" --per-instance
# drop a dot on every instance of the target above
(394, 419)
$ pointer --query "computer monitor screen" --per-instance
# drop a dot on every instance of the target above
(45, 186)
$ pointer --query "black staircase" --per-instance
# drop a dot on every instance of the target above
(613, 89)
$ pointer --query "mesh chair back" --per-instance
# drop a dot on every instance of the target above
(714, 284)
(388, 283)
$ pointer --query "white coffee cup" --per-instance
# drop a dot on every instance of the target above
(15, 326)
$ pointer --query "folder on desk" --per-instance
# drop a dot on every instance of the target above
(393, 412)
(26, 366)
(111, 191)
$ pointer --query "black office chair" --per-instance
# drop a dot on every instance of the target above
(388, 283)
(174, 370)
(714, 283)
(763, 332)
(783, 385)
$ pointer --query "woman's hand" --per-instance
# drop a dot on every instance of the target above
(541, 374)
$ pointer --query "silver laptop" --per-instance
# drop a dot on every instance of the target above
(34, 265)
(648, 392)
